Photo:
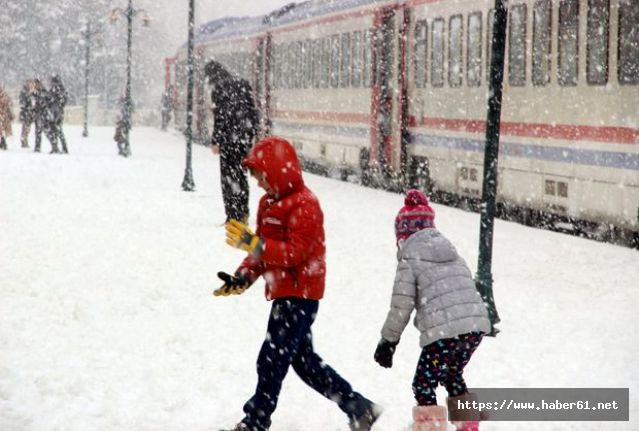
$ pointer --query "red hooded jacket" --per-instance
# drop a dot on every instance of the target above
(291, 224)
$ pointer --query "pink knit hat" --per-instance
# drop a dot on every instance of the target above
(415, 215)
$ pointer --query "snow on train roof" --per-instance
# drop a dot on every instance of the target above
(314, 8)
(228, 27)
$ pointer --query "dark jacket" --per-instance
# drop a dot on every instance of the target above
(234, 112)
(56, 100)
(26, 105)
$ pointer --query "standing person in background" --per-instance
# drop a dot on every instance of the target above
(39, 96)
(166, 108)
(6, 117)
(122, 127)
(56, 100)
(235, 128)
(288, 250)
(27, 111)
(435, 281)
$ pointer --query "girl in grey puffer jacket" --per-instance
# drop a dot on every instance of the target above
(435, 281)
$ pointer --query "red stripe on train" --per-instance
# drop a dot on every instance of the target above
(621, 135)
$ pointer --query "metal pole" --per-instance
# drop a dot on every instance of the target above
(484, 279)
(128, 102)
(87, 41)
(188, 185)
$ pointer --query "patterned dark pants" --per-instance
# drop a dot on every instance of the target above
(443, 362)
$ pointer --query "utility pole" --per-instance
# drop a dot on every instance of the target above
(188, 185)
(484, 278)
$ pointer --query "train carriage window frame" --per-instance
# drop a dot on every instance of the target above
(316, 60)
(542, 43)
(420, 50)
(474, 43)
(455, 51)
(490, 22)
(628, 46)
(597, 42)
(568, 39)
(517, 45)
(345, 61)
(292, 65)
(308, 66)
(358, 55)
(335, 57)
(437, 53)
(367, 72)
(325, 63)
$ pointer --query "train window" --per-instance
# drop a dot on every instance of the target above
(308, 67)
(455, 50)
(517, 46)
(550, 187)
(335, 39)
(345, 69)
(489, 41)
(541, 44)
(421, 51)
(437, 54)
(473, 64)
(597, 42)
(568, 42)
(356, 77)
(317, 62)
(628, 54)
(325, 62)
(291, 60)
(562, 189)
(275, 70)
(368, 58)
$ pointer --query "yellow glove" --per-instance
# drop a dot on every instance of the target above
(239, 235)
(233, 285)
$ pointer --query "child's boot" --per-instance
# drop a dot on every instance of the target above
(429, 418)
(464, 419)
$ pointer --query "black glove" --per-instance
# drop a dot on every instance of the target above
(233, 284)
(384, 353)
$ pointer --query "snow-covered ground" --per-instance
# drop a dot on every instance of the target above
(107, 321)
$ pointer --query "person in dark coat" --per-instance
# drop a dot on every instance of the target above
(56, 100)
(123, 127)
(39, 104)
(235, 128)
(27, 111)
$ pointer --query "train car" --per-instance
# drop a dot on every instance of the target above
(395, 93)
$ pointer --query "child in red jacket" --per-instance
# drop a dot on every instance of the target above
(288, 250)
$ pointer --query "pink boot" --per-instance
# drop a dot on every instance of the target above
(429, 418)
(466, 425)
(465, 419)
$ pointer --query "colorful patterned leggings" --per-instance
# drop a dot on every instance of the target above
(443, 362)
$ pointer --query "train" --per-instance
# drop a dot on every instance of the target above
(394, 94)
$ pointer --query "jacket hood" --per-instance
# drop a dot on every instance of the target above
(276, 158)
(429, 245)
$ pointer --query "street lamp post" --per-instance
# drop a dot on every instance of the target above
(188, 185)
(129, 13)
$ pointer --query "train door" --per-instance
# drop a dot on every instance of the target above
(262, 87)
(388, 137)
